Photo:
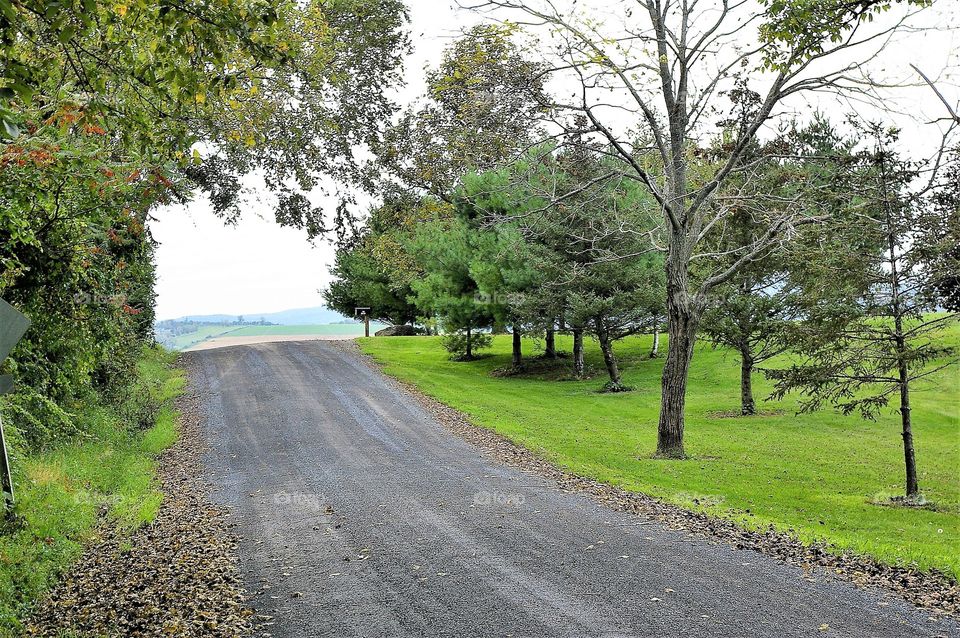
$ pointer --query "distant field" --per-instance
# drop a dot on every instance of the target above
(213, 330)
(188, 339)
(817, 475)
(355, 329)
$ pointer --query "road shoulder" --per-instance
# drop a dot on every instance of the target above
(176, 576)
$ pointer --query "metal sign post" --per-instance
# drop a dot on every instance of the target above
(12, 326)
(365, 313)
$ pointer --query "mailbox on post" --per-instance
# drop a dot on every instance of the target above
(365, 313)
(12, 326)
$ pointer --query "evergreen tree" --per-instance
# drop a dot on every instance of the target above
(751, 313)
(861, 351)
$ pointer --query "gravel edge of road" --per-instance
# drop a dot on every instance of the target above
(177, 575)
(932, 591)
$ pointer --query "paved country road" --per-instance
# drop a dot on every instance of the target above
(360, 515)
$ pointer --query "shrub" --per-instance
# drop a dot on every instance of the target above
(456, 344)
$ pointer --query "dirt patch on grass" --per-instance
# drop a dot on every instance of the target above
(176, 576)
(931, 590)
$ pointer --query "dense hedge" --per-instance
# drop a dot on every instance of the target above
(76, 258)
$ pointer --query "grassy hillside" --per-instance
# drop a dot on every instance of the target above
(816, 474)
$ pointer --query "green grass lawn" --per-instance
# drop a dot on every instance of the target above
(59, 492)
(816, 475)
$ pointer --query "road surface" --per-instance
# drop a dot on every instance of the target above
(360, 515)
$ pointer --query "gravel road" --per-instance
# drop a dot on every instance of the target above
(360, 515)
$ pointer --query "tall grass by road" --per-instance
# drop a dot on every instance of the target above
(61, 491)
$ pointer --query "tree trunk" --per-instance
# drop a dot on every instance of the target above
(909, 456)
(655, 350)
(747, 405)
(900, 342)
(606, 347)
(681, 331)
(578, 353)
(517, 348)
(469, 354)
(550, 347)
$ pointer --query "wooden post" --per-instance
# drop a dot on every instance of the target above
(365, 313)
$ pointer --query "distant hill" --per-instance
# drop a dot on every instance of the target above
(295, 317)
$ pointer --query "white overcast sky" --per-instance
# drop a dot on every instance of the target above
(205, 267)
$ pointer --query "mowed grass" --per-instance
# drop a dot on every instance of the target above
(818, 476)
(205, 332)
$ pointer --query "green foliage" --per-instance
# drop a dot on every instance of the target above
(853, 340)
(463, 346)
(361, 282)
(939, 237)
(284, 88)
(858, 352)
(484, 100)
(301, 126)
(446, 250)
(77, 260)
(374, 270)
(796, 31)
(753, 312)
(590, 257)
(140, 62)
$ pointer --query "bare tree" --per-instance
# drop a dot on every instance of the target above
(655, 70)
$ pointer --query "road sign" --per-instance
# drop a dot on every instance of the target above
(12, 326)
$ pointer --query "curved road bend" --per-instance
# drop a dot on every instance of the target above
(360, 515)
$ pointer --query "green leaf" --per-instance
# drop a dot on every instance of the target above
(67, 34)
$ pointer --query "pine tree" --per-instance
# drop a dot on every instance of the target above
(862, 351)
